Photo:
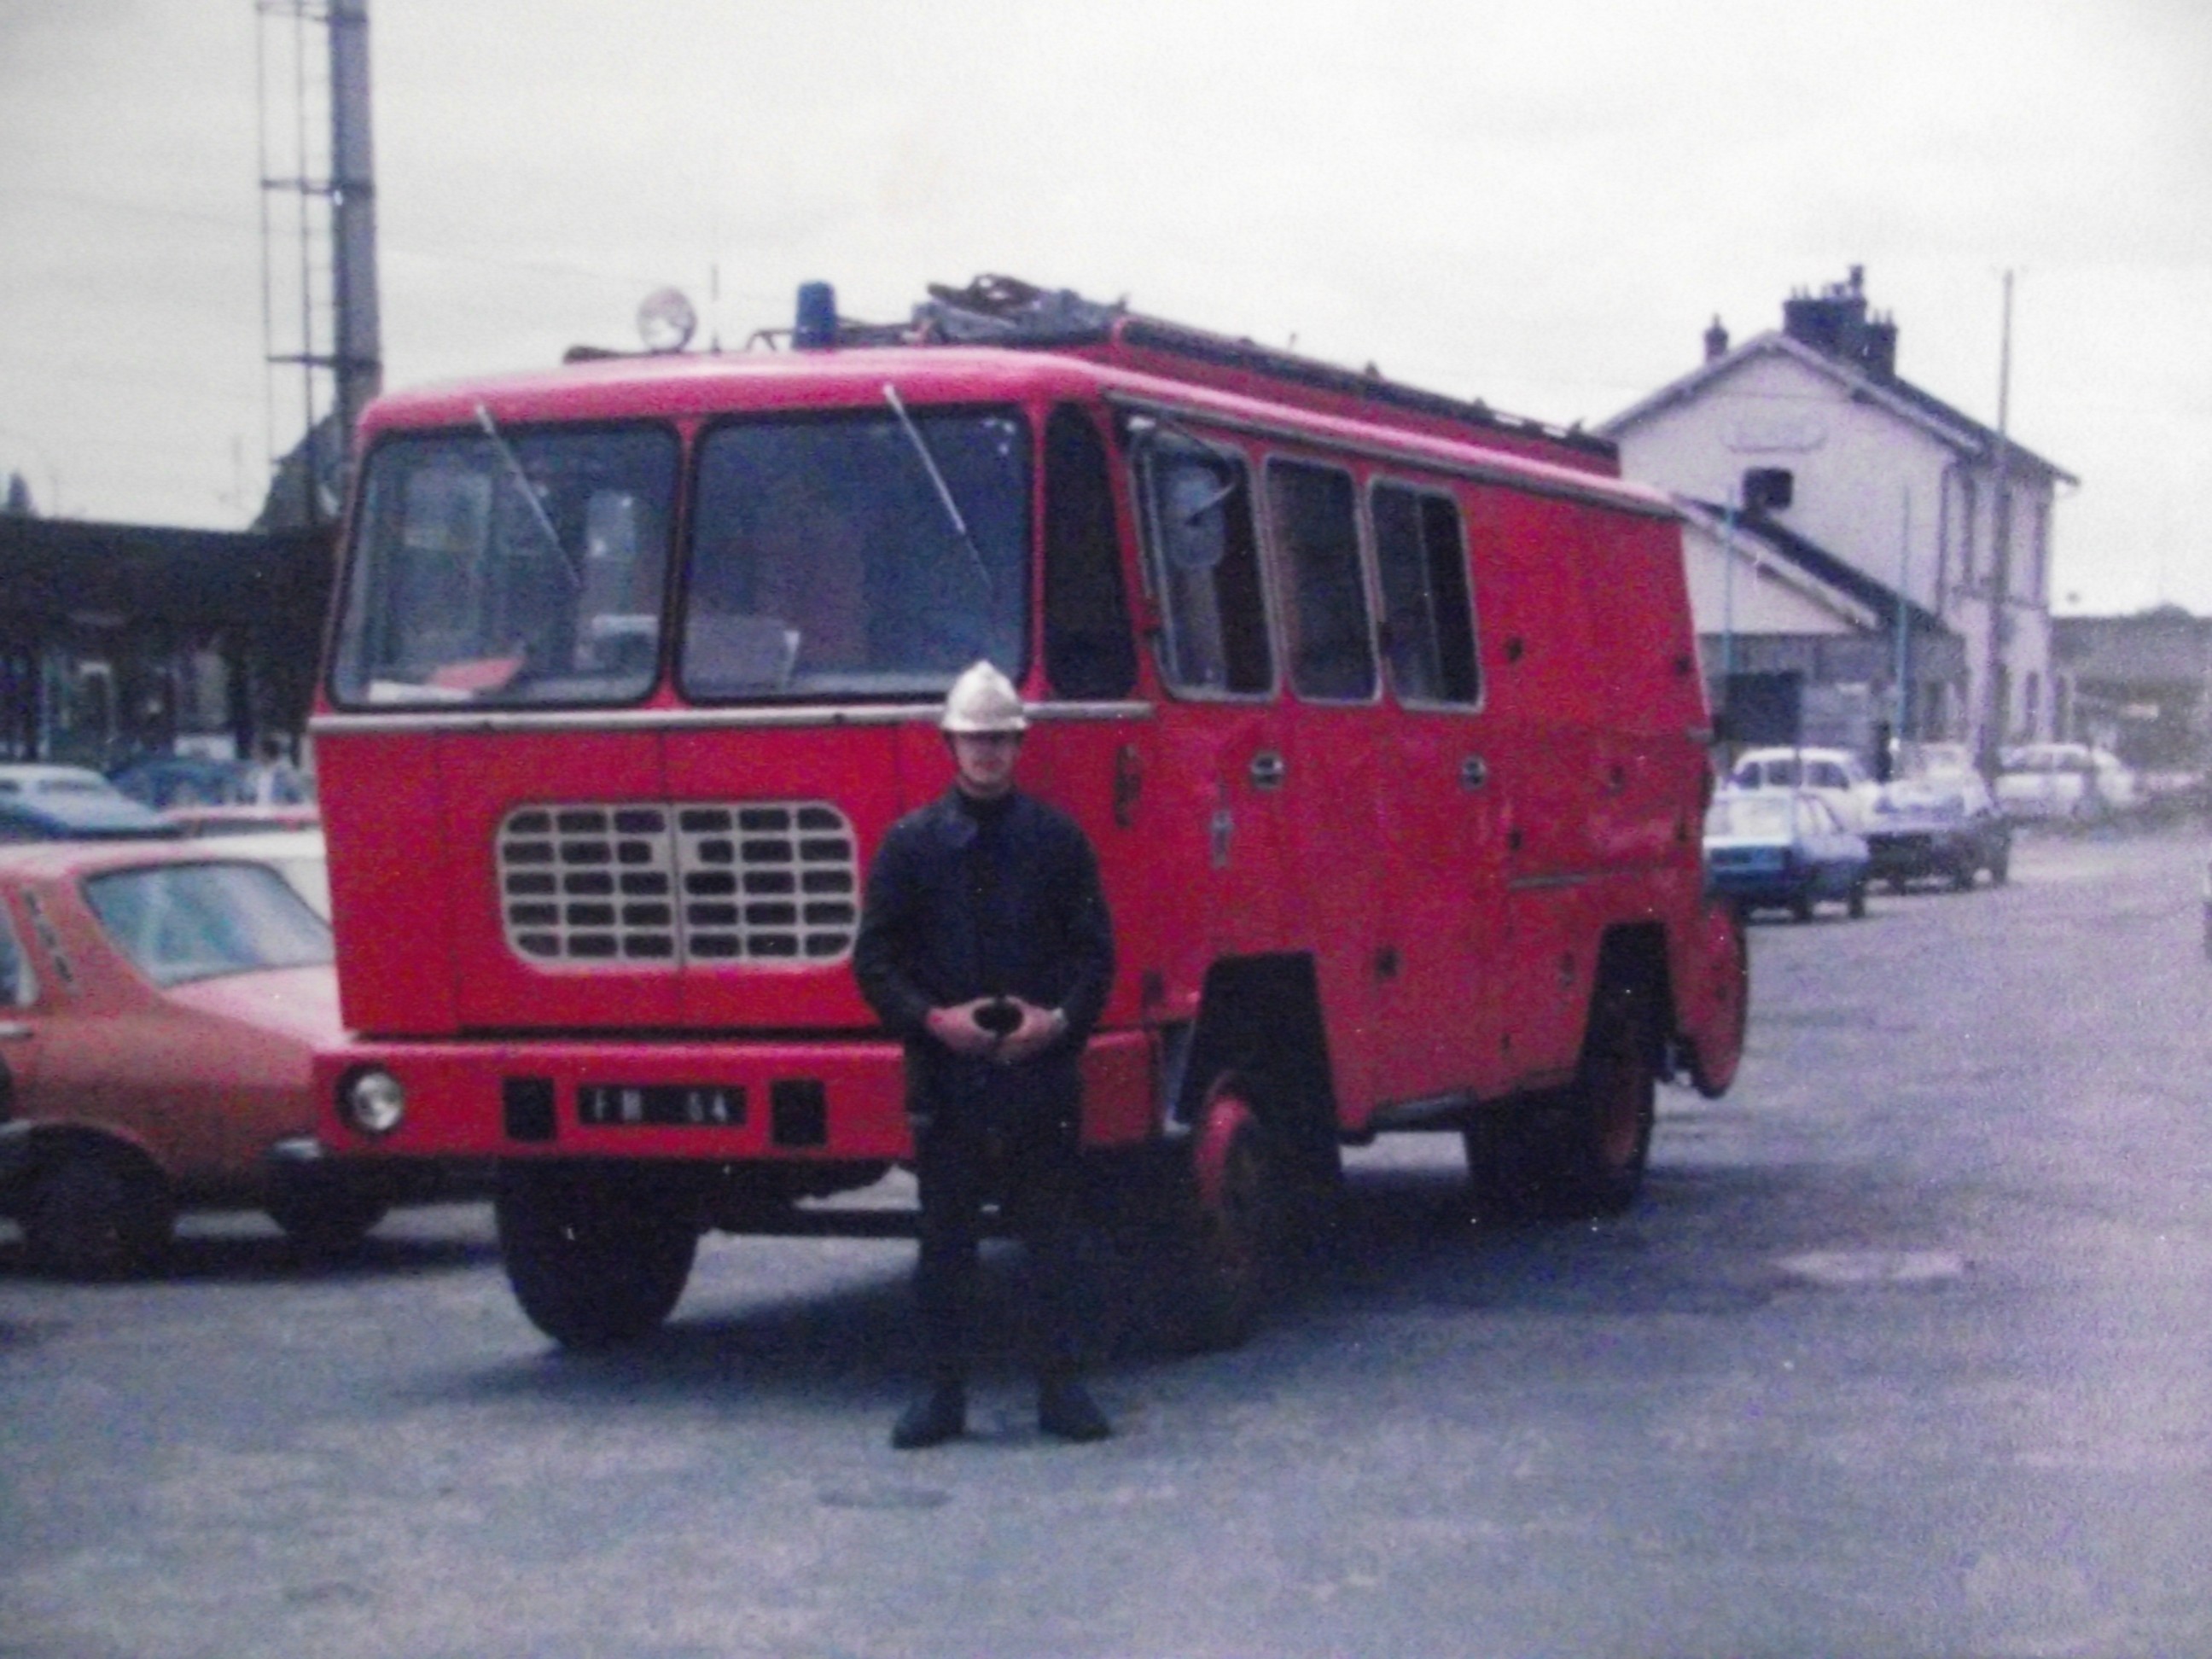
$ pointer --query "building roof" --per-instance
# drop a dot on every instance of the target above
(2167, 644)
(63, 568)
(1786, 546)
(1949, 424)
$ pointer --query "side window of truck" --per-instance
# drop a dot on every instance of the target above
(1330, 640)
(1428, 616)
(1088, 650)
(1204, 562)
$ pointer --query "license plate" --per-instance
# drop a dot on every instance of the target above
(659, 1105)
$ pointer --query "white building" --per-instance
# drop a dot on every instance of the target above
(1810, 428)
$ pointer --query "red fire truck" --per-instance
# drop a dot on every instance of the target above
(1383, 711)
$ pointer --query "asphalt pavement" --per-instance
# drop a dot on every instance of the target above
(1905, 1352)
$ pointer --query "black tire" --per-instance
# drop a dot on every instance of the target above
(2001, 867)
(97, 1215)
(325, 1218)
(1962, 876)
(1598, 1150)
(1801, 907)
(597, 1256)
(1855, 902)
(1230, 1230)
(1508, 1160)
(1896, 885)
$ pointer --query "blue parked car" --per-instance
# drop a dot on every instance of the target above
(70, 802)
(1783, 850)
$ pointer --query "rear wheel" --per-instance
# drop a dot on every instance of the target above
(1855, 904)
(1612, 1105)
(95, 1213)
(595, 1256)
(1801, 907)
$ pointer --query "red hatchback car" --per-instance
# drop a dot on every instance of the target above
(159, 1003)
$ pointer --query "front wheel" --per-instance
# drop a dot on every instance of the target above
(1855, 903)
(97, 1215)
(1231, 1224)
(597, 1256)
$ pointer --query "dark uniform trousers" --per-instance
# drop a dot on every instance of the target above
(1032, 1170)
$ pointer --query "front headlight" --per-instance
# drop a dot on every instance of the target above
(372, 1101)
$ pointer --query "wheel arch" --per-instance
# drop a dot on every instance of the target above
(1635, 954)
(1260, 1020)
(50, 1143)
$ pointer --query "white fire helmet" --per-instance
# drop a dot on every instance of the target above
(983, 699)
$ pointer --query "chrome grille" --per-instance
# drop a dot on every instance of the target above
(706, 882)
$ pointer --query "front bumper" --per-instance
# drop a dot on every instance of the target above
(730, 1103)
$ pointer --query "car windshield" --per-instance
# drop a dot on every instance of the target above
(499, 567)
(187, 921)
(876, 554)
(1749, 816)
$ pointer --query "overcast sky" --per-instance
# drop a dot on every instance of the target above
(1540, 205)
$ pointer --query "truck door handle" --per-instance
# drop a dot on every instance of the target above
(13, 1030)
(1267, 770)
(1474, 772)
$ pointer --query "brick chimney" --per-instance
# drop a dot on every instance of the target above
(1836, 322)
(1716, 341)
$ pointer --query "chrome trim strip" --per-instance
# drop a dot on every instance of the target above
(1533, 477)
(490, 720)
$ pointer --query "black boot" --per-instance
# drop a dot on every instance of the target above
(938, 1416)
(1064, 1408)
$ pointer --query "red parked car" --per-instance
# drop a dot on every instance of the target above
(159, 1005)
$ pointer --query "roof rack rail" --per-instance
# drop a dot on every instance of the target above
(996, 310)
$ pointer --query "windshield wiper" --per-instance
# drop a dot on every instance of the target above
(575, 571)
(944, 490)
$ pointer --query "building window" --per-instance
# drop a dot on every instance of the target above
(1768, 489)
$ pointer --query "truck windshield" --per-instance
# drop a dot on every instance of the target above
(497, 566)
(825, 561)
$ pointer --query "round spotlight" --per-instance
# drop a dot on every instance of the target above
(372, 1101)
(666, 321)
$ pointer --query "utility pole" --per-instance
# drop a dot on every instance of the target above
(359, 361)
(336, 343)
(1996, 689)
(1903, 727)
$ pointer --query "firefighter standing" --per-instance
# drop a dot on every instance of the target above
(985, 945)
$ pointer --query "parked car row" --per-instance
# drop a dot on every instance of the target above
(2065, 782)
(160, 1002)
(1793, 848)
(167, 795)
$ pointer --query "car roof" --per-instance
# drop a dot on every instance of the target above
(38, 772)
(68, 860)
(264, 846)
(1781, 753)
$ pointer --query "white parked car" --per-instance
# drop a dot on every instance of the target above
(2065, 782)
(1836, 775)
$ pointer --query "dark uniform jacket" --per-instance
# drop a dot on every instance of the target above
(970, 899)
